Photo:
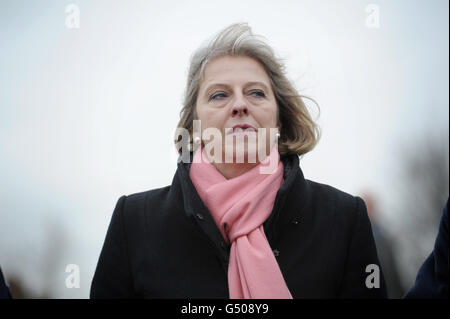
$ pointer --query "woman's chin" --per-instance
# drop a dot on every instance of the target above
(241, 153)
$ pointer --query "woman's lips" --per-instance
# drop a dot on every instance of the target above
(239, 130)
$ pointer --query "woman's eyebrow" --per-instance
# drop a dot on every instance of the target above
(212, 85)
(257, 83)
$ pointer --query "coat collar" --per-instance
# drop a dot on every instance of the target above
(292, 192)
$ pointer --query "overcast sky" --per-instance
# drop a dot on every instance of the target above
(87, 114)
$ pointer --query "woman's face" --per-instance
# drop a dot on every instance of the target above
(237, 91)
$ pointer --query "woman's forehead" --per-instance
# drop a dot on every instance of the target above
(234, 71)
(229, 65)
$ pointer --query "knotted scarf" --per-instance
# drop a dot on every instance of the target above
(240, 206)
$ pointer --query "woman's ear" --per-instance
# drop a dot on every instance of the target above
(279, 125)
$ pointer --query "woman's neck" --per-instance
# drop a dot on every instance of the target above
(232, 170)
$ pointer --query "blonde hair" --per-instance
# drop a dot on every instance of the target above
(299, 133)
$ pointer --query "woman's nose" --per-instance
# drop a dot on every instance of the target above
(239, 110)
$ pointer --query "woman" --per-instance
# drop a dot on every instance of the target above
(239, 219)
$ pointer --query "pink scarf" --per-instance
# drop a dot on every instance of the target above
(239, 207)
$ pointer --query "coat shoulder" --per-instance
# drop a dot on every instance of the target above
(139, 201)
(155, 193)
(327, 190)
(343, 203)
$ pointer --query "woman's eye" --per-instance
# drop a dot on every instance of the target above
(217, 95)
(221, 95)
(258, 93)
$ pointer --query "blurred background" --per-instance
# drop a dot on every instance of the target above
(90, 94)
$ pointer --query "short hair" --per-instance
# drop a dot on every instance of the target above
(299, 133)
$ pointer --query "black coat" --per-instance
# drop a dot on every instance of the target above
(4, 290)
(164, 243)
(432, 279)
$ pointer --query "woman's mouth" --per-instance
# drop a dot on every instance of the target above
(241, 129)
